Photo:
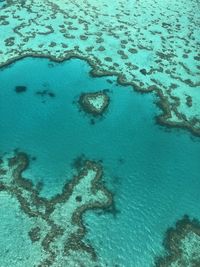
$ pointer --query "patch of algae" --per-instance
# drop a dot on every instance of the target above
(55, 225)
(182, 245)
(153, 45)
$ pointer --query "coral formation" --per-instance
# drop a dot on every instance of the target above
(94, 103)
(57, 226)
(150, 45)
(182, 245)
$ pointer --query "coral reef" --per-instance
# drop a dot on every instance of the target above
(94, 103)
(182, 245)
(150, 45)
(57, 226)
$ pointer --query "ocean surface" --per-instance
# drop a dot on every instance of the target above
(153, 171)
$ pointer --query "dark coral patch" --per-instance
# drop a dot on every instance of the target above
(20, 89)
(78, 198)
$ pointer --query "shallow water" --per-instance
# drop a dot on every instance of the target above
(152, 172)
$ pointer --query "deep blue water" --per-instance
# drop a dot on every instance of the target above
(154, 173)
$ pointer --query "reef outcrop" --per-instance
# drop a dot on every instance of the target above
(182, 244)
(57, 226)
(94, 103)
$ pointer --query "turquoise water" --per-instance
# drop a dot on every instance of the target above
(154, 173)
(2, 3)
